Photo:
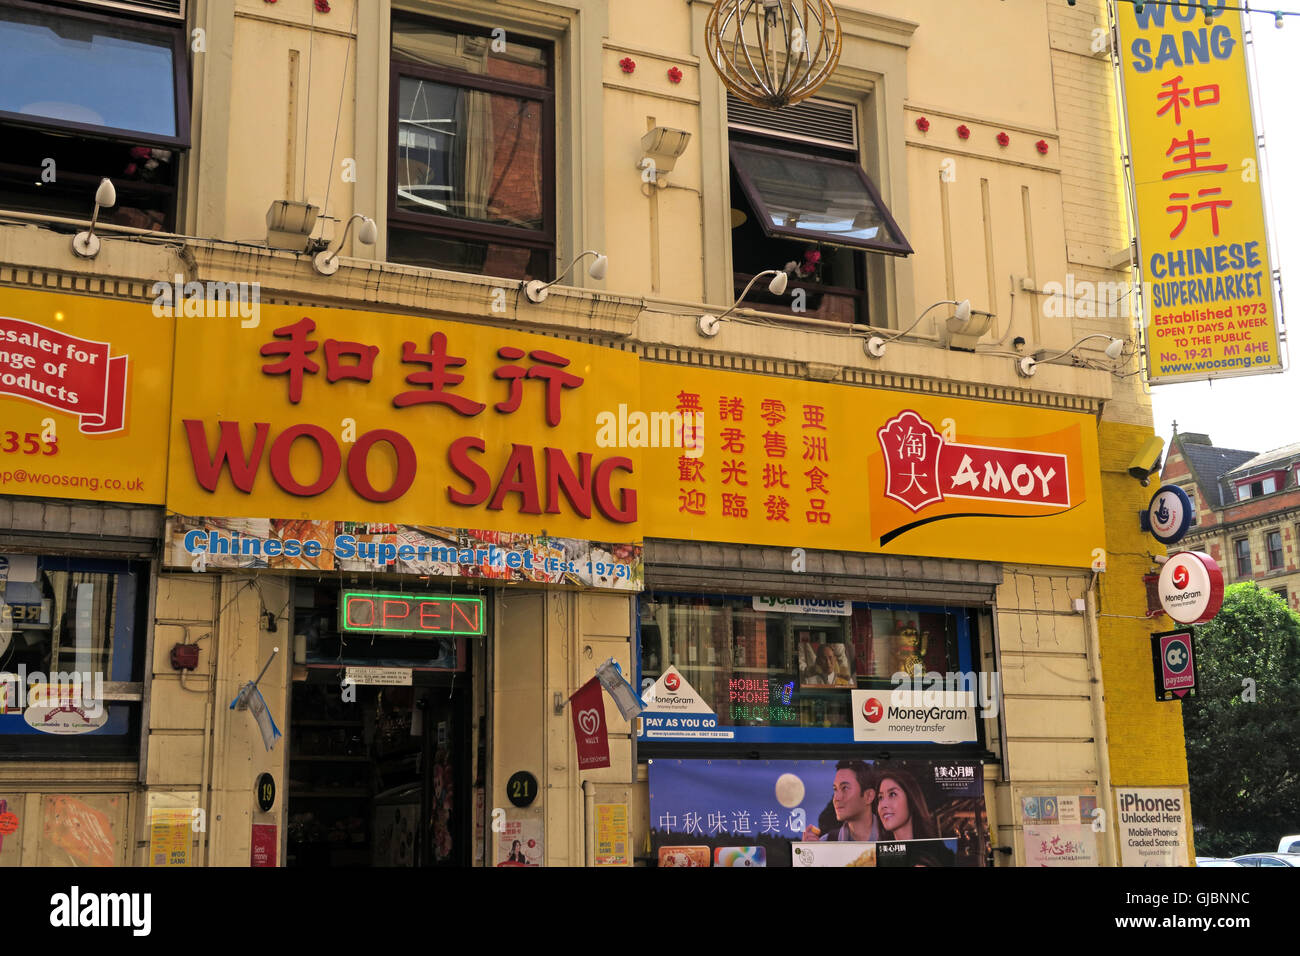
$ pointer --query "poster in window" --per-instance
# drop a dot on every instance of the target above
(825, 664)
(908, 812)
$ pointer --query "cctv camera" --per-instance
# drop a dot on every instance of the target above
(1147, 461)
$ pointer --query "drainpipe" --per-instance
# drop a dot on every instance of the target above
(1106, 797)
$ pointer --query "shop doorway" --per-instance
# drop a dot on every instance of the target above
(364, 774)
(381, 728)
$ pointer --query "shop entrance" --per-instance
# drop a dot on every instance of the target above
(381, 767)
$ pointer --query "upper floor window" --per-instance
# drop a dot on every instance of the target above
(90, 95)
(800, 197)
(1274, 550)
(471, 152)
(1242, 546)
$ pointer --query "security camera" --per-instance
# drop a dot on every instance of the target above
(1147, 461)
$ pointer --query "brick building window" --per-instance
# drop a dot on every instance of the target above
(1242, 547)
(1275, 560)
(471, 152)
(800, 194)
(1281, 592)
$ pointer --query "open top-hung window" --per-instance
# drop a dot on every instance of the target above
(87, 92)
(800, 196)
(471, 152)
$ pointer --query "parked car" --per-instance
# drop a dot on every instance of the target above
(1269, 859)
(1215, 861)
(1289, 844)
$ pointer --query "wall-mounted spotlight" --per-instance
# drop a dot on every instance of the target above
(86, 244)
(661, 147)
(536, 290)
(875, 346)
(1028, 365)
(709, 325)
(327, 263)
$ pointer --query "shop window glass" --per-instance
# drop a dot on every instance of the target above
(67, 628)
(472, 153)
(793, 673)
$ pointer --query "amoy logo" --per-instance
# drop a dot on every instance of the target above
(1180, 577)
(672, 682)
(873, 710)
(922, 469)
(589, 721)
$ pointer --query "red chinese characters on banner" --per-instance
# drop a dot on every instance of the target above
(816, 448)
(433, 385)
(690, 468)
(734, 469)
(1190, 155)
(533, 481)
(922, 469)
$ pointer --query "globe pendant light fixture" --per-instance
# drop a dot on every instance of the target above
(771, 53)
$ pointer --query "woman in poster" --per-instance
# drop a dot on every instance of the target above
(902, 810)
(905, 816)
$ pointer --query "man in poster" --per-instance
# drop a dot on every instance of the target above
(854, 803)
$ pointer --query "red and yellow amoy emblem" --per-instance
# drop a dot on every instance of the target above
(923, 477)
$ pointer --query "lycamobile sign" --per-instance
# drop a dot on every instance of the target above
(803, 606)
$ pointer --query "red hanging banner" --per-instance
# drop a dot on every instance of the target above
(588, 707)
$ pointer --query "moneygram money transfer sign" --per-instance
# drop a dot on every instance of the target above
(1211, 311)
(1191, 587)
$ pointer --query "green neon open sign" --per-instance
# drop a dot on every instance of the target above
(395, 612)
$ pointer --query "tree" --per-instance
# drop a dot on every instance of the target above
(1243, 726)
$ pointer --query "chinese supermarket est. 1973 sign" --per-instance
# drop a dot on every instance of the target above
(1211, 310)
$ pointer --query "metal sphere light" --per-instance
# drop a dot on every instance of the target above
(771, 53)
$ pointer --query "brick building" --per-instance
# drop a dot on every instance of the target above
(1247, 509)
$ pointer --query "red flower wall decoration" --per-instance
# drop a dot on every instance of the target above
(923, 124)
(674, 74)
(322, 6)
(627, 64)
(963, 131)
(1003, 139)
(1042, 146)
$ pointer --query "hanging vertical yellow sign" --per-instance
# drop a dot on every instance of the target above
(1210, 306)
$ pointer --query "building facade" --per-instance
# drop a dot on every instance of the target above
(365, 464)
(1247, 510)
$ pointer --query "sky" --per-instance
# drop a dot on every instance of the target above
(1259, 412)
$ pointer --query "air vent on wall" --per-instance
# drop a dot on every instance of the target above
(812, 121)
(172, 9)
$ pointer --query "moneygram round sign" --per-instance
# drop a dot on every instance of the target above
(1169, 514)
(1191, 587)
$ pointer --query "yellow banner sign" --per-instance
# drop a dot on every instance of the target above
(799, 464)
(394, 421)
(83, 397)
(1210, 305)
